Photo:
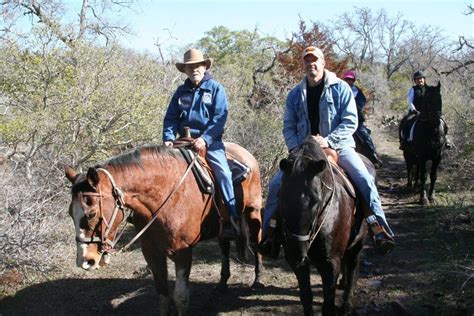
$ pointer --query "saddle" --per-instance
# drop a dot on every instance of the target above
(203, 174)
(201, 169)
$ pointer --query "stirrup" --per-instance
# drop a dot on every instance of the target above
(230, 230)
(449, 144)
(270, 245)
(383, 241)
(383, 244)
(378, 162)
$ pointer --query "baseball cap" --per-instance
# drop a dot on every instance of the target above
(349, 75)
(312, 50)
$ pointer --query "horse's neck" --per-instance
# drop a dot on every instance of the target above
(146, 188)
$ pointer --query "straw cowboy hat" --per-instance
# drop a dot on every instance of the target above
(193, 56)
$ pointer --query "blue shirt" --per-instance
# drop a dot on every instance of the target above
(337, 114)
(203, 109)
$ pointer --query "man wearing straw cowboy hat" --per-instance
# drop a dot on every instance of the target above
(200, 103)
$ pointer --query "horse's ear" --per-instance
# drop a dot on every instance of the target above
(70, 173)
(286, 164)
(316, 166)
(439, 85)
(92, 177)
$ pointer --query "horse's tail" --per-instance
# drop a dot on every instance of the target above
(242, 243)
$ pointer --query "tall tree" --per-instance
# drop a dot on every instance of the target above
(291, 61)
(354, 35)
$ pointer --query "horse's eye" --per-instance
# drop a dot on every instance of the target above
(88, 200)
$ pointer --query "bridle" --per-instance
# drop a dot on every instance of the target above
(108, 245)
(106, 225)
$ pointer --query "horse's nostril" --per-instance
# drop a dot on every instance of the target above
(91, 262)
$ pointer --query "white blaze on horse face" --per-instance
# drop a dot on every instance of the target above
(87, 256)
(77, 215)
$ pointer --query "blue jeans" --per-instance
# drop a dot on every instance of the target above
(351, 162)
(364, 133)
(220, 168)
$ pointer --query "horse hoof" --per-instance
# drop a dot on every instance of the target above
(257, 285)
(346, 309)
(221, 288)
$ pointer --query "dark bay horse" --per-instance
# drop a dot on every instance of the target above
(153, 183)
(319, 225)
(429, 140)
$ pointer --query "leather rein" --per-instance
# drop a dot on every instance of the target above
(108, 245)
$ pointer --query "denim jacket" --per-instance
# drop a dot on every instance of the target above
(337, 114)
(203, 109)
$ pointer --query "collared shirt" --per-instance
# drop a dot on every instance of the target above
(337, 114)
(203, 109)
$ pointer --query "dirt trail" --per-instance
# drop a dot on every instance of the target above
(415, 279)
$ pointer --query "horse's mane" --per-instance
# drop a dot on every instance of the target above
(308, 150)
(134, 158)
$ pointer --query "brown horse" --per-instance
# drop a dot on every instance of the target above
(155, 183)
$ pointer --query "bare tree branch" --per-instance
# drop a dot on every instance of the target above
(34, 8)
(82, 19)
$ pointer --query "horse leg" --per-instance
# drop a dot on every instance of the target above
(156, 261)
(409, 166)
(182, 260)
(416, 174)
(329, 272)
(433, 177)
(255, 227)
(350, 268)
(422, 174)
(225, 265)
(409, 175)
(306, 295)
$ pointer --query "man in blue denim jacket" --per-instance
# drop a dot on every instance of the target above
(322, 105)
(201, 104)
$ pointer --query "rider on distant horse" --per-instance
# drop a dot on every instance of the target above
(201, 104)
(417, 107)
(362, 131)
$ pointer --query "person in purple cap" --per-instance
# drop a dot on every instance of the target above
(322, 105)
(363, 132)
